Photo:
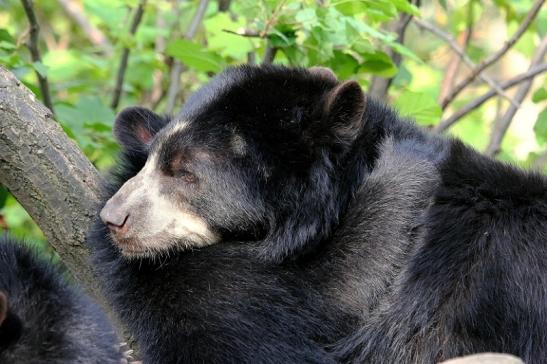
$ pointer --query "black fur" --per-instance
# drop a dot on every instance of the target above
(344, 239)
(48, 321)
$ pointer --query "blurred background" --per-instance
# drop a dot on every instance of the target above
(473, 69)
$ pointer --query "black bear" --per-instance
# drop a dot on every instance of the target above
(282, 216)
(43, 319)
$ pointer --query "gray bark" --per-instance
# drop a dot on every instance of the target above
(49, 176)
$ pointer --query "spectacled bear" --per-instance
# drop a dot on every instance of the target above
(283, 216)
(43, 319)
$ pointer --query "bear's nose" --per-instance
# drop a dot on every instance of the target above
(114, 217)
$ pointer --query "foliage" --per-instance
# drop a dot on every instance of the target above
(352, 37)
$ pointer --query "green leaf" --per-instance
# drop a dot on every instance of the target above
(227, 44)
(8, 46)
(379, 64)
(420, 106)
(283, 36)
(540, 127)
(443, 4)
(306, 16)
(405, 6)
(85, 116)
(539, 95)
(40, 68)
(401, 49)
(6, 36)
(350, 7)
(195, 56)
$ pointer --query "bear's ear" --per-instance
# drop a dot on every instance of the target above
(323, 72)
(3, 307)
(344, 108)
(135, 128)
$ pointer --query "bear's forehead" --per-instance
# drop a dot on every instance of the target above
(248, 89)
(265, 105)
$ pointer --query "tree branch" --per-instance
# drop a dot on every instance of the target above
(96, 37)
(379, 86)
(495, 56)
(245, 33)
(176, 70)
(49, 176)
(35, 52)
(224, 5)
(125, 56)
(454, 118)
(454, 45)
(501, 125)
(541, 161)
(269, 54)
(453, 66)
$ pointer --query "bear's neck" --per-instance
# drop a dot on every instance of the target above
(380, 122)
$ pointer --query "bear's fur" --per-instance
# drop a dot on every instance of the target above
(45, 320)
(282, 216)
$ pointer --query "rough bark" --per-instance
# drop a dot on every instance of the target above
(49, 176)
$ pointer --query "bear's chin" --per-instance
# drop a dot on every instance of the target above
(135, 248)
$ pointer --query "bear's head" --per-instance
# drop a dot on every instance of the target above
(257, 155)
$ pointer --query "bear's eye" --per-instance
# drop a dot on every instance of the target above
(177, 167)
(185, 175)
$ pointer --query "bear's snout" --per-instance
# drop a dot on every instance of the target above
(115, 217)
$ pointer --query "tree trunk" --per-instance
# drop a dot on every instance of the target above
(49, 176)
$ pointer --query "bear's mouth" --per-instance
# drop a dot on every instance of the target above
(130, 247)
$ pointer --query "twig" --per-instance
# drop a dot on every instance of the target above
(32, 45)
(495, 56)
(251, 58)
(453, 66)
(269, 54)
(501, 125)
(541, 161)
(125, 56)
(448, 122)
(452, 43)
(176, 70)
(224, 5)
(380, 85)
(157, 91)
(271, 20)
(75, 11)
(245, 33)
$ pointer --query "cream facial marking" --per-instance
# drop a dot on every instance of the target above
(177, 126)
(156, 221)
(239, 146)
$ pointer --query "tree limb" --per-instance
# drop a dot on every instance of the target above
(176, 71)
(495, 56)
(269, 54)
(35, 52)
(49, 176)
(125, 56)
(541, 161)
(379, 86)
(454, 45)
(454, 118)
(245, 33)
(501, 125)
(224, 5)
(453, 67)
(96, 37)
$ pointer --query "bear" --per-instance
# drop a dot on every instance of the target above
(43, 319)
(284, 216)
